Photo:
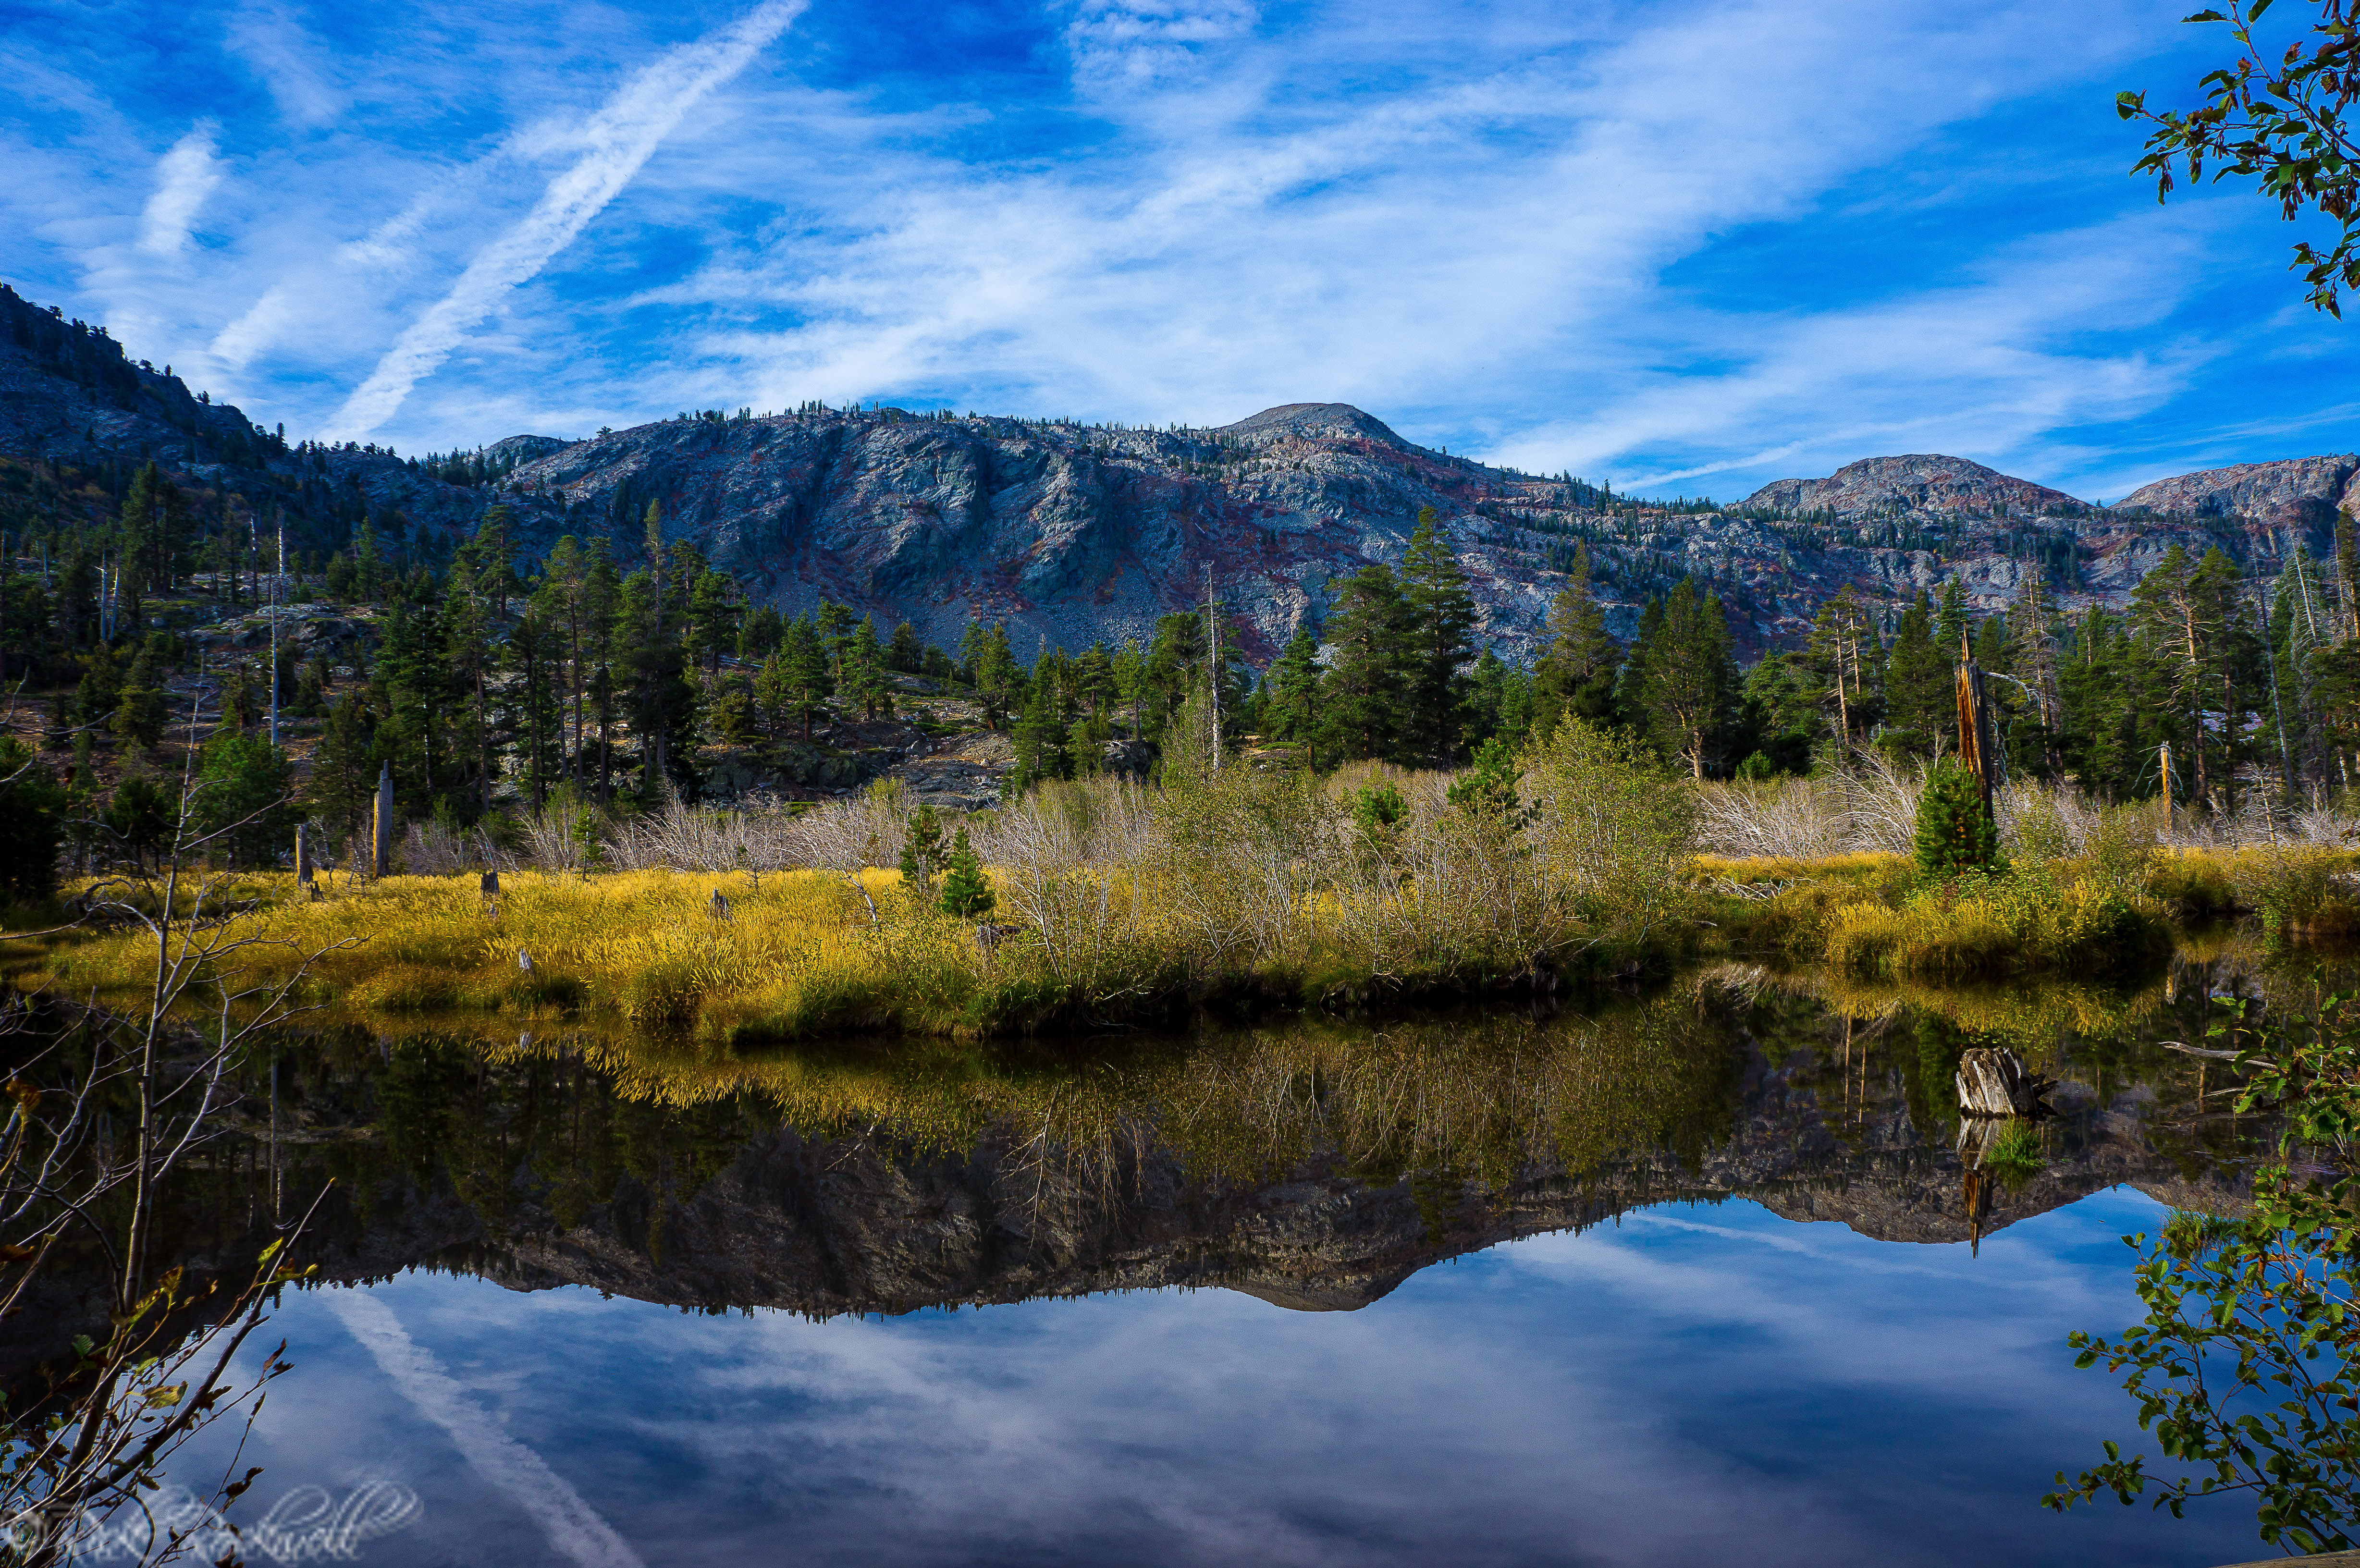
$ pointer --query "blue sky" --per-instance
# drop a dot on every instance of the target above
(1685, 247)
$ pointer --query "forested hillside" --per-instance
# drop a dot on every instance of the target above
(795, 602)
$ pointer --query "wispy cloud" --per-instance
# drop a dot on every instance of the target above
(279, 49)
(571, 1525)
(620, 138)
(184, 177)
(1699, 244)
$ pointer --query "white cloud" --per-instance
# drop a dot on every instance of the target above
(571, 1525)
(619, 139)
(184, 177)
(292, 64)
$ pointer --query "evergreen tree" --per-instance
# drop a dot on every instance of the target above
(1683, 685)
(1363, 692)
(32, 821)
(142, 821)
(1951, 621)
(997, 676)
(344, 773)
(1955, 835)
(1040, 737)
(1920, 704)
(467, 655)
(243, 795)
(140, 713)
(1290, 709)
(966, 889)
(654, 693)
(713, 616)
(1438, 614)
(1577, 673)
(805, 667)
(924, 855)
(536, 653)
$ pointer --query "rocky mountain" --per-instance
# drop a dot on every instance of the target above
(1924, 483)
(1071, 533)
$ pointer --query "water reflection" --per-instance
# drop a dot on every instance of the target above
(1317, 1165)
(1662, 1367)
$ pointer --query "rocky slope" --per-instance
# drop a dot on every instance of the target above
(1072, 533)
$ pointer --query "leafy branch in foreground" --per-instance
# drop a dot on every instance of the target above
(2244, 1368)
(2281, 123)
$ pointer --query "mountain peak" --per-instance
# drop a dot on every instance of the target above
(1330, 419)
(1914, 482)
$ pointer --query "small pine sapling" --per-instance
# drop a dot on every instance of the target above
(967, 891)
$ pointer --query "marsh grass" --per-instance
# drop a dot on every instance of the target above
(2014, 1155)
(2025, 921)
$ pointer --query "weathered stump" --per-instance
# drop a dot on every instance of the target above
(381, 828)
(719, 907)
(1993, 1082)
(989, 936)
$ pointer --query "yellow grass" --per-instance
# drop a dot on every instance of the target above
(1748, 870)
(798, 954)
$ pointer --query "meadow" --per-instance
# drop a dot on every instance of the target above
(1578, 862)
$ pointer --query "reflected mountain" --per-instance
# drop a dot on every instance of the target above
(1315, 1165)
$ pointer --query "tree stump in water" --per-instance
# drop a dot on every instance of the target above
(1993, 1082)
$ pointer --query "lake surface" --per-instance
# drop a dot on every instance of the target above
(1691, 1279)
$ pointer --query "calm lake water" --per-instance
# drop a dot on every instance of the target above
(1694, 1278)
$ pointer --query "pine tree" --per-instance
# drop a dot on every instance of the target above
(1577, 672)
(1951, 620)
(1684, 686)
(1291, 696)
(1438, 614)
(806, 668)
(1920, 704)
(996, 676)
(924, 855)
(243, 797)
(343, 775)
(713, 616)
(1040, 736)
(140, 713)
(1955, 835)
(966, 889)
(1364, 690)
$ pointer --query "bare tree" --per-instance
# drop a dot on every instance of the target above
(164, 1370)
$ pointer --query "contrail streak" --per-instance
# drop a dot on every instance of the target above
(622, 137)
(572, 1526)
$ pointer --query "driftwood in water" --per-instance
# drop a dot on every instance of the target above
(1993, 1082)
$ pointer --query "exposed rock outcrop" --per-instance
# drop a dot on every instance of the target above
(1922, 483)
